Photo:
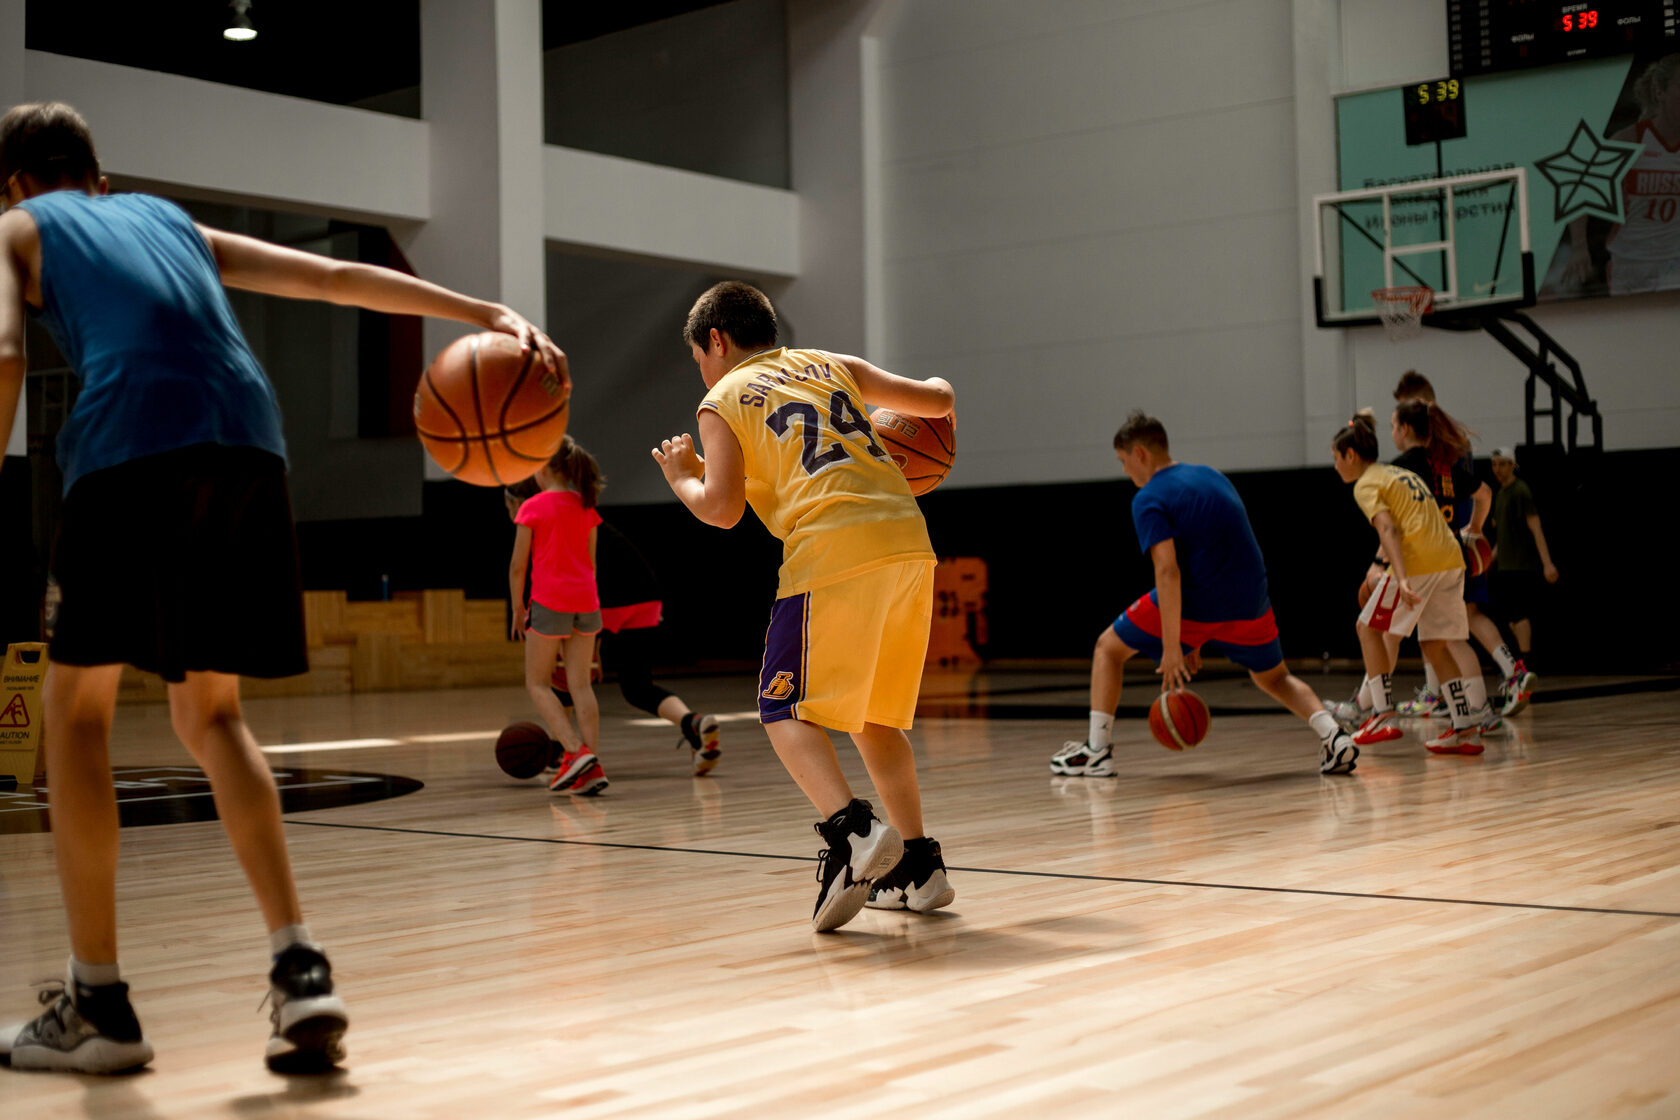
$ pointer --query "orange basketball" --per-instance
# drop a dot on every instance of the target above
(488, 414)
(924, 448)
(1478, 554)
(1178, 720)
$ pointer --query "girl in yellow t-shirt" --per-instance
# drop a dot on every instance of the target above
(1423, 589)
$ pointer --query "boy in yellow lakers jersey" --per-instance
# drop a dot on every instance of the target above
(1423, 588)
(785, 431)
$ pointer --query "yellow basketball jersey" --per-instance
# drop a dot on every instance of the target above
(816, 475)
(1427, 542)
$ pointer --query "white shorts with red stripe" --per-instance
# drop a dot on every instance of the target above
(1439, 616)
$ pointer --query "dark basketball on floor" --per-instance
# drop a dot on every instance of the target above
(1178, 720)
(923, 448)
(487, 413)
(522, 750)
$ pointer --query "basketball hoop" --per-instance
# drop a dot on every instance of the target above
(1403, 309)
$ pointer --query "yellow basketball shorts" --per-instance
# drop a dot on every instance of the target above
(849, 653)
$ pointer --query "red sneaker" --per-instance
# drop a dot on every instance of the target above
(1457, 740)
(590, 782)
(572, 765)
(1378, 728)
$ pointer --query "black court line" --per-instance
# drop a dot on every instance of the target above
(1001, 871)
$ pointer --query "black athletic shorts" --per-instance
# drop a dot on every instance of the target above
(180, 562)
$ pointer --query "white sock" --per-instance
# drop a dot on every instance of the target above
(1430, 680)
(1458, 705)
(1382, 692)
(287, 936)
(93, 975)
(1324, 724)
(1507, 663)
(1475, 692)
(1101, 724)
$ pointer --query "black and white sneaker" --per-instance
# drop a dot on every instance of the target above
(916, 883)
(1340, 754)
(703, 741)
(84, 1029)
(309, 1020)
(1078, 760)
(861, 848)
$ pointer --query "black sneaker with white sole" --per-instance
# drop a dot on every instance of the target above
(917, 882)
(309, 1020)
(84, 1029)
(861, 848)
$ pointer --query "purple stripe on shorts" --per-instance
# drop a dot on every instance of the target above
(781, 680)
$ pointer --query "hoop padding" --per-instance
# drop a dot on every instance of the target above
(1402, 309)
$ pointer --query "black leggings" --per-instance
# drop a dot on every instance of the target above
(631, 655)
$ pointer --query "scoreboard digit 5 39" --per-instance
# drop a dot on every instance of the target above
(1487, 36)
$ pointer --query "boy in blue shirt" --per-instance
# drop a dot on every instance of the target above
(176, 548)
(1210, 589)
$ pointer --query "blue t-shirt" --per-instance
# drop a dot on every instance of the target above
(133, 297)
(1223, 575)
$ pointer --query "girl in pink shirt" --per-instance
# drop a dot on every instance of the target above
(556, 540)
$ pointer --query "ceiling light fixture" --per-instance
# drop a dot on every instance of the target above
(239, 28)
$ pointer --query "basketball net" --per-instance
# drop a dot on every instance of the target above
(1403, 309)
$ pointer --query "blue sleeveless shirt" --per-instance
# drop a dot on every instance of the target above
(132, 296)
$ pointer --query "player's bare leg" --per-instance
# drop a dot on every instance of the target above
(1339, 751)
(205, 712)
(541, 653)
(809, 758)
(308, 1019)
(1092, 756)
(79, 704)
(580, 653)
(891, 763)
(860, 847)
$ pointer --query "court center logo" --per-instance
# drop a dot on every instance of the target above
(1586, 176)
(780, 687)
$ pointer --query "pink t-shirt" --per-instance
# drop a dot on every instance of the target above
(562, 578)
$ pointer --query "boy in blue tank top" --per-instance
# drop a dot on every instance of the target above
(1210, 589)
(174, 441)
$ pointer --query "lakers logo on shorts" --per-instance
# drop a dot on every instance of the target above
(780, 687)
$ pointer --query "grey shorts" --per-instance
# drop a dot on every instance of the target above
(548, 623)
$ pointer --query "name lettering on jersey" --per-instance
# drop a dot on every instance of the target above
(1640, 181)
(759, 386)
(780, 687)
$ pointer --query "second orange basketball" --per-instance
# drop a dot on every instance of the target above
(925, 448)
(489, 413)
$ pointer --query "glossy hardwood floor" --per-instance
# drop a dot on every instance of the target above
(1216, 933)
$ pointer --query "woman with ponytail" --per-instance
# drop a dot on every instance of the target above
(1422, 589)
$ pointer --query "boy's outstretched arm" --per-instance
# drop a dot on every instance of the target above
(933, 397)
(258, 266)
(714, 488)
(12, 361)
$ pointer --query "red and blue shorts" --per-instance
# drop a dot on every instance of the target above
(1251, 643)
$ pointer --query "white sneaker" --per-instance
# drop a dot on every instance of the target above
(1078, 760)
(918, 882)
(1339, 754)
(83, 1029)
(861, 848)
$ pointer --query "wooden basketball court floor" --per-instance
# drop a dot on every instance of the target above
(1216, 933)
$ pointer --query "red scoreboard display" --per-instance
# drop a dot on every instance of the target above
(1487, 36)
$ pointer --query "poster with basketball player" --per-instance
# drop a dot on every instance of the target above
(1641, 252)
(1600, 140)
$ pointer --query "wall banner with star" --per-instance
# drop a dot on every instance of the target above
(1600, 140)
